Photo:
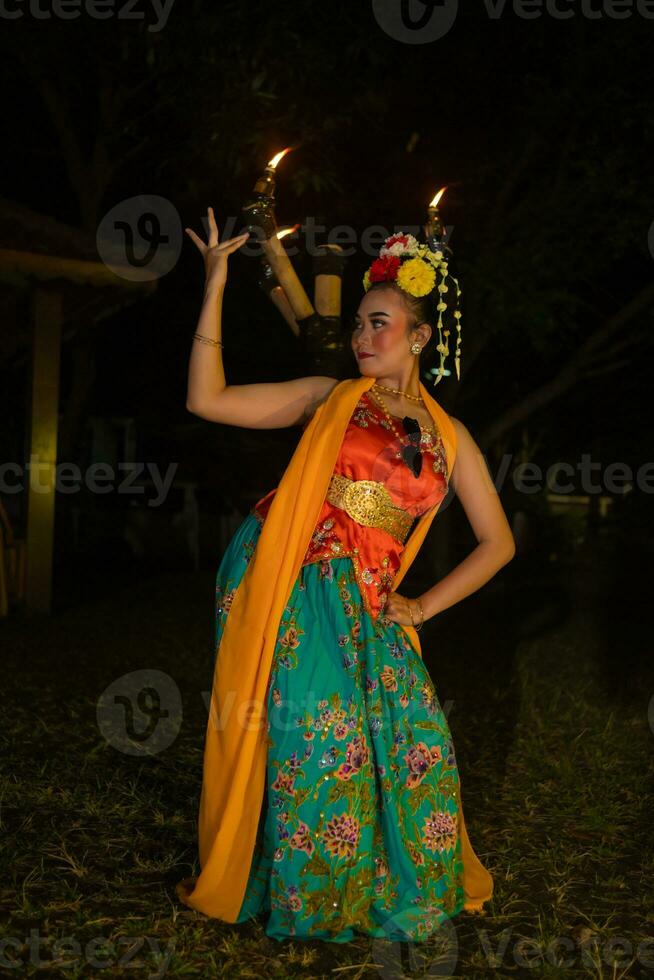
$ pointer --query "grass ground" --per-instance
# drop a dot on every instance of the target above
(553, 744)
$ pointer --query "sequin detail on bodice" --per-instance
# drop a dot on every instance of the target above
(370, 450)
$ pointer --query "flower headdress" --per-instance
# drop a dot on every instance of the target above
(415, 268)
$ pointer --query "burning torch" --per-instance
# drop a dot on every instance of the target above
(318, 329)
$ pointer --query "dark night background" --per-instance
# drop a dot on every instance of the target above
(543, 131)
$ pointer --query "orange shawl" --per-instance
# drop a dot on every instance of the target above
(235, 755)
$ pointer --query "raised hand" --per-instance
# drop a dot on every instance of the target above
(214, 252)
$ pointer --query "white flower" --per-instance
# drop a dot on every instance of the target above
(399, 248)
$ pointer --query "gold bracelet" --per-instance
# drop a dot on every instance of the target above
(208, 340)
(422, 616)
(408, 602)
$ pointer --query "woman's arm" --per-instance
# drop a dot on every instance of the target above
(474, 487)
(268, 405)
(255, 406)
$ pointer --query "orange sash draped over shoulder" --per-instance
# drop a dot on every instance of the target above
(235, 755)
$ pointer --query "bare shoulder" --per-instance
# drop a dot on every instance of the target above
(468, 452)
(470, 472)
(321, 388)
(463, 434)
(322, 384)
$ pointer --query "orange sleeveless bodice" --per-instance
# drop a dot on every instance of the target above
(372, 451)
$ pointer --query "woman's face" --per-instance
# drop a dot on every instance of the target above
(382, 331)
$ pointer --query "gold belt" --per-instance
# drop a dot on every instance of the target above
(369, 503)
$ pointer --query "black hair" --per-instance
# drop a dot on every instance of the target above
(421, 309)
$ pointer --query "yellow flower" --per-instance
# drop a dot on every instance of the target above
(431, 257)
(366, 280)
(416, 277)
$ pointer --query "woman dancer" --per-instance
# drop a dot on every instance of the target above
(331, 799)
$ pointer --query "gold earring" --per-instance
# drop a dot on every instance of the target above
(415, 348)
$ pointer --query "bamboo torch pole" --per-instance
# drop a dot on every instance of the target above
(259, 216)
(269, 282)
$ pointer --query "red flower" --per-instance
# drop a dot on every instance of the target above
(384, 269)
(396, 238)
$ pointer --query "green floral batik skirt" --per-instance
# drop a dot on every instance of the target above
(358, 828)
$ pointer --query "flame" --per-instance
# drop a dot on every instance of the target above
(434, 203)
(275, 160)
(287, 231)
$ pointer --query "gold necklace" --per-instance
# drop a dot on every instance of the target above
(380, 401)
(398, 391)
(381, 404)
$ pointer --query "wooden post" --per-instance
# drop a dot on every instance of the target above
(46, 316)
